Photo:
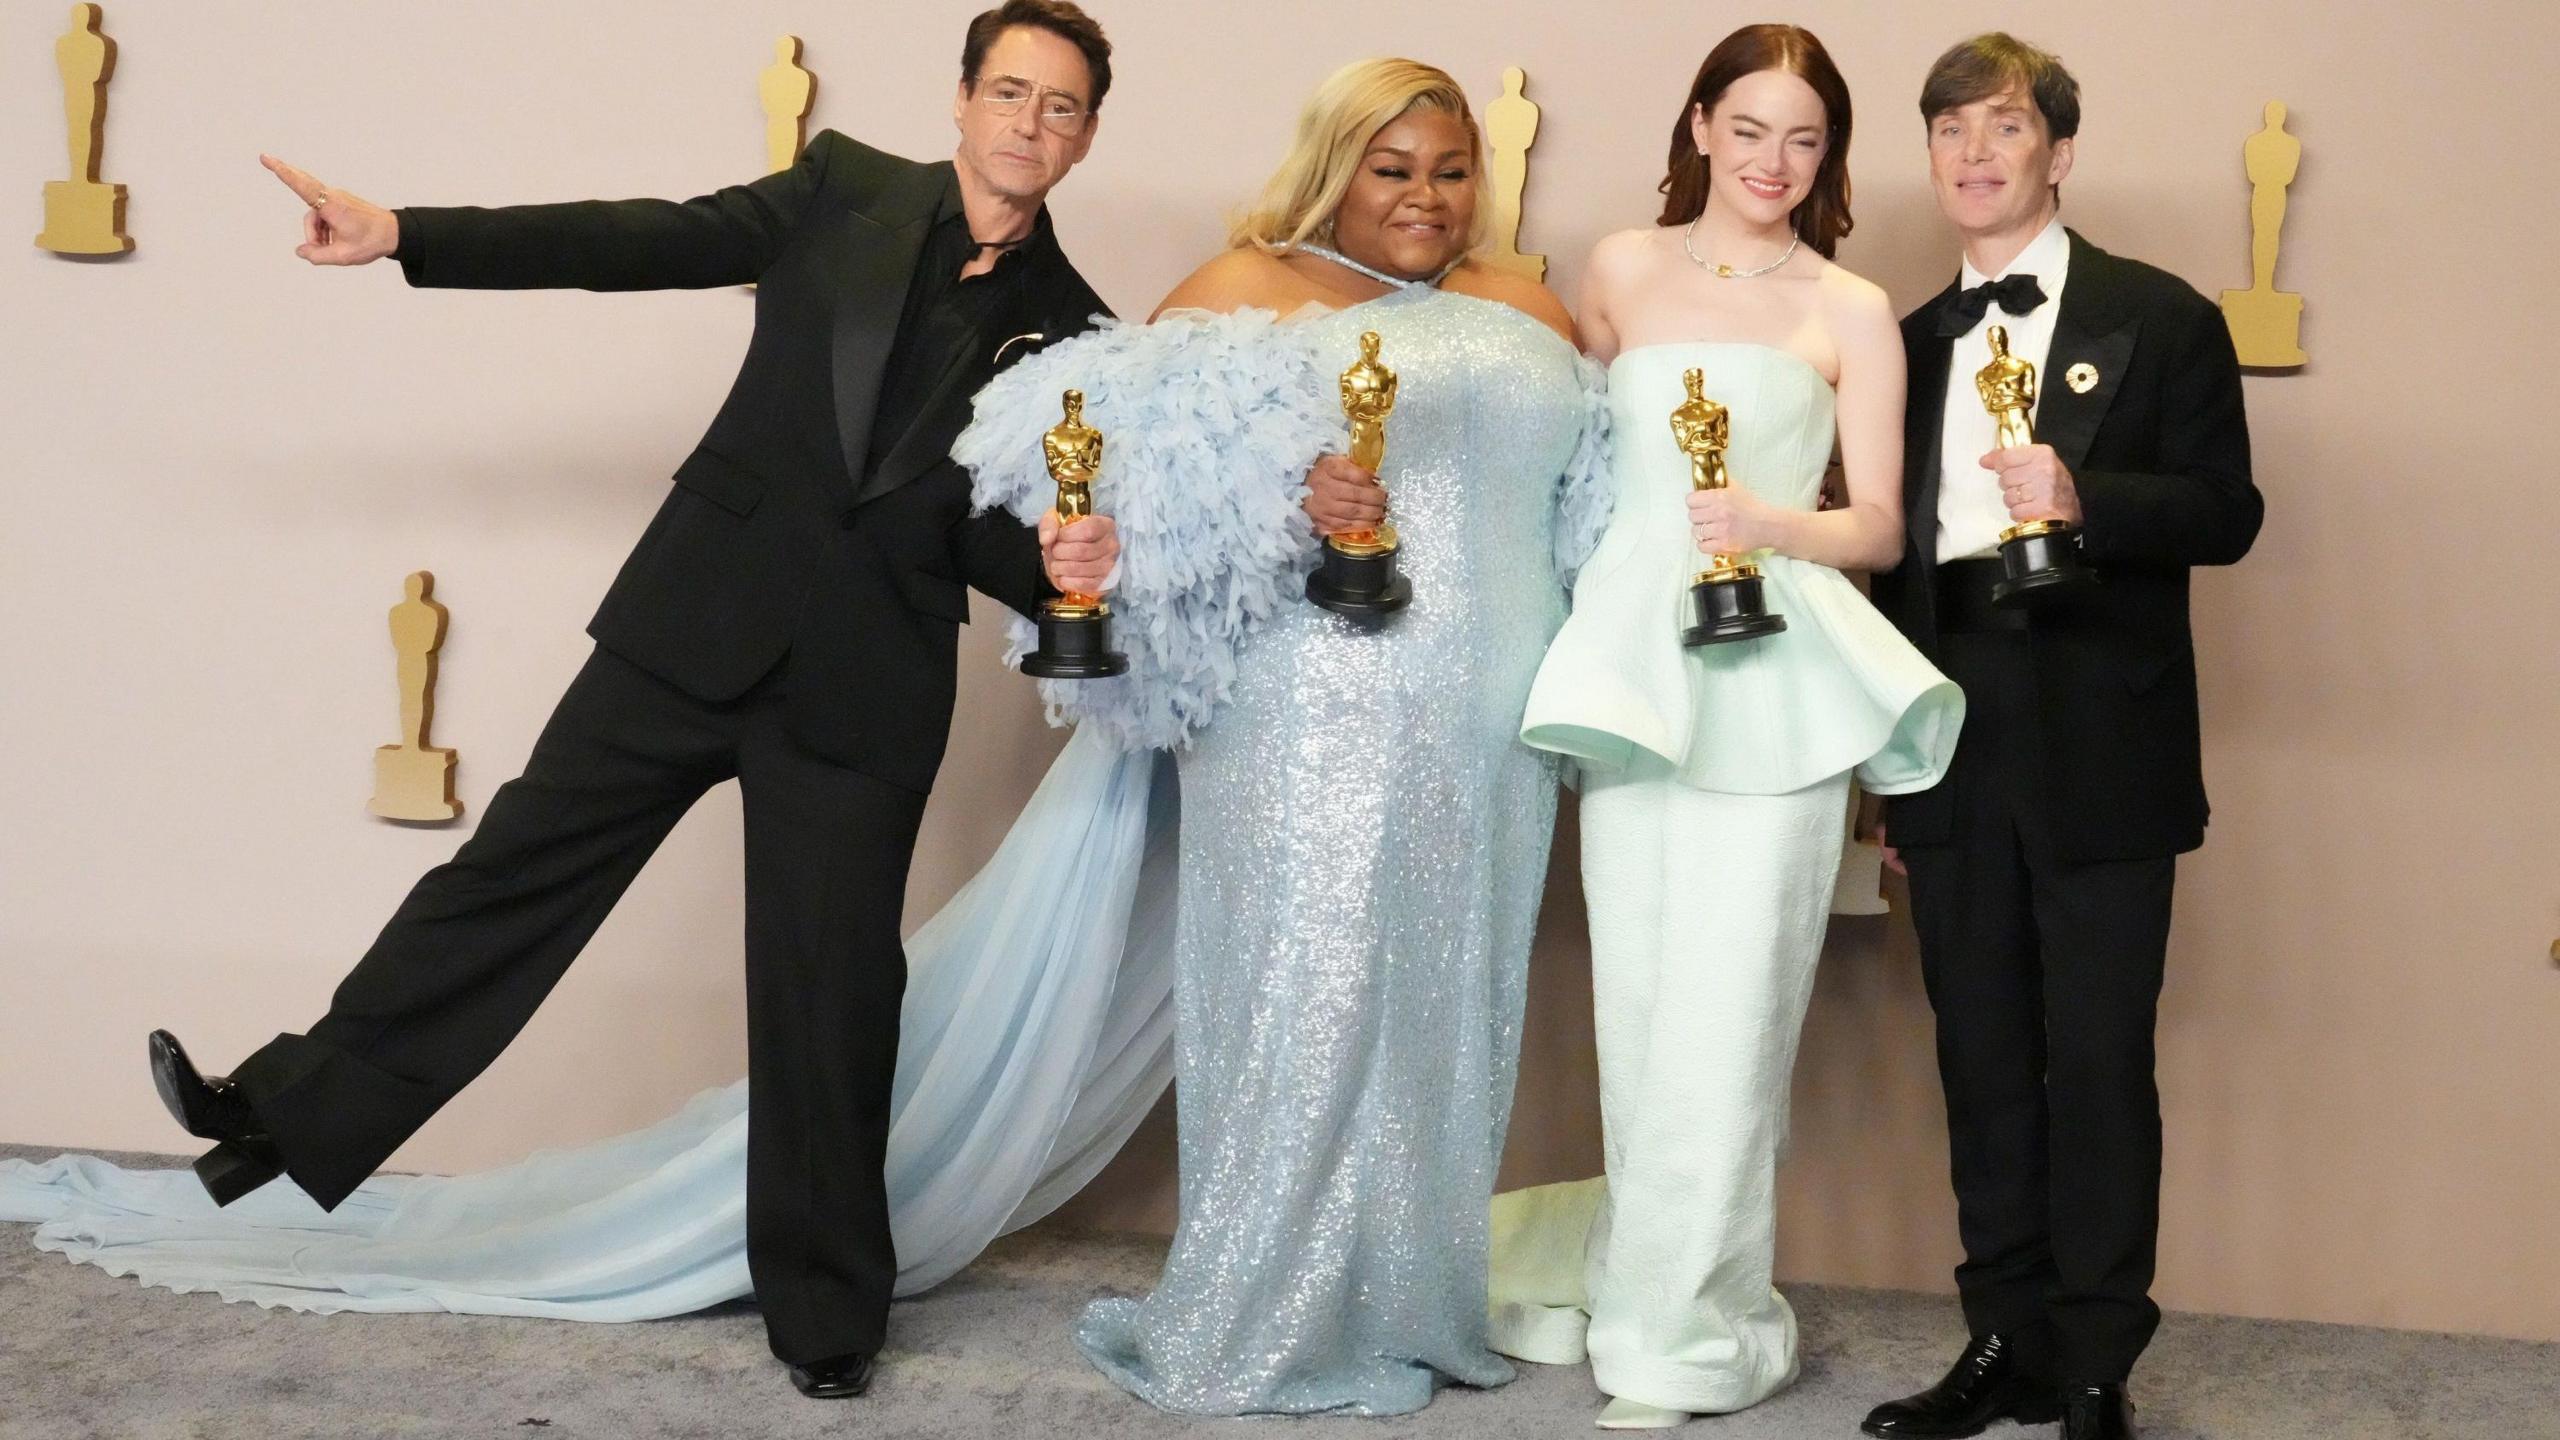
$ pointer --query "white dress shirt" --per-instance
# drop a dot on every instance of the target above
(1971, 513)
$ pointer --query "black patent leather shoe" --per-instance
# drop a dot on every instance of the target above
(2096, 1412)
(1987, 1384)
(840, 1378)
(214, 1109)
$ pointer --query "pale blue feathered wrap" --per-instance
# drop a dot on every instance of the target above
(1585, 497)
(1210, 424)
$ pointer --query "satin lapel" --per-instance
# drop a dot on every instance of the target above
(876, 265)
(1923, 428)
(945, 413)
(938, 422)
(2093, 329)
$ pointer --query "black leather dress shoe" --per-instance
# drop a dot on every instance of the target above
(840, 1378)
(2096, 1412)
(1986, 1384)
(214, 1109)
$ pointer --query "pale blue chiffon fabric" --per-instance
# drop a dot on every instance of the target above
(1037, 1032)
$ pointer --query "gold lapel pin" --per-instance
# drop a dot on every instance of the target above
(2082, 378)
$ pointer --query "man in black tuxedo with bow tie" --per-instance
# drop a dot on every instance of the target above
(789, 620)
(2041, 866)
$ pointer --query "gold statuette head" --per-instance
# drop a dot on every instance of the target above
(1703, 430)
(2008, 389)
(1073, 452)
(1368, 398)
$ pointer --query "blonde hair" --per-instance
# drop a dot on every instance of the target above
(1348, 110)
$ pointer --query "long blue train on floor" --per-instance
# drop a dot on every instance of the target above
(1037, 1032)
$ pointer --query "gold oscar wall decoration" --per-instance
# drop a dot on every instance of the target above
(785, 90)
(83, 215)
(2266, 323)
(413, 780)
(1511, 127)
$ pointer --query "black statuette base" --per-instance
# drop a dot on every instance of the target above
(1728, 610)
(1362, 587)
(1074, 647)
(2032, 566)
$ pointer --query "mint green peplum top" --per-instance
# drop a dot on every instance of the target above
(1838, 689)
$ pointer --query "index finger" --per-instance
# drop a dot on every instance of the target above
(300, 182)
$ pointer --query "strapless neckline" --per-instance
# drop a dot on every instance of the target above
(1808, 366)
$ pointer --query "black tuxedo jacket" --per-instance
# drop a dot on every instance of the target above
(779, 535)
(2159, 451)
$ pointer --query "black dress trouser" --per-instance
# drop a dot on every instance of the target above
(2045, 975)
(482, 939)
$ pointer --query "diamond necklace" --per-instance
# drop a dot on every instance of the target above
(1382, 277)
(1727, 272)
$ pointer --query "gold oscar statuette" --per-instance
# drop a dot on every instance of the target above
(2266, 323)
(1510, 128)
(1355, 574)
(2035, 555)
(1075, 629)
(1726, 600)
(413, 780)
(784, 89)
(82, 215)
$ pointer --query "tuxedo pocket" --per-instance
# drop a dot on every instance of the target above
(722, 481)
(927, 592)
(933, 594)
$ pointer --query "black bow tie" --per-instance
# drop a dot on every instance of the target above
(2017, 294)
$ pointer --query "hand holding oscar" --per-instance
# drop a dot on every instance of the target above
(1355, 574)
(2035, 555)
(1075, 628)
(1725, 599)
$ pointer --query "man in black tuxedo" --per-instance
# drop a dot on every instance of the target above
(789, 620)
(2041, 866)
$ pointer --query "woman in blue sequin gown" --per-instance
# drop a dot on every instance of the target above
(1364, 840)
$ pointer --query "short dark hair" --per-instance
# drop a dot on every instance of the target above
(2000, 63)
(1060, 18)
(1822, 218)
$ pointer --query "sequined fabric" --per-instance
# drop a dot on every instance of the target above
(1364, 843)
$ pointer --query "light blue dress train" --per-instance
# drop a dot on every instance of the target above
(1033, 1040)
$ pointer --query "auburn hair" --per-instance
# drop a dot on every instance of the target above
(1823, 216)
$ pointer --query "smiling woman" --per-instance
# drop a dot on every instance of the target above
(1366, 130)
(1716, 776)
(1361, 842)
(1822, 210)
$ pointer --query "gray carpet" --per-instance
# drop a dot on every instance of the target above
(83, 1354)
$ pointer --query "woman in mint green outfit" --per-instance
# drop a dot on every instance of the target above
(1716, 779)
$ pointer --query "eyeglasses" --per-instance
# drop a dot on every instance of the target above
(1060, 112)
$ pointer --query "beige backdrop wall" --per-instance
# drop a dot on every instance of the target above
(217, 464)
